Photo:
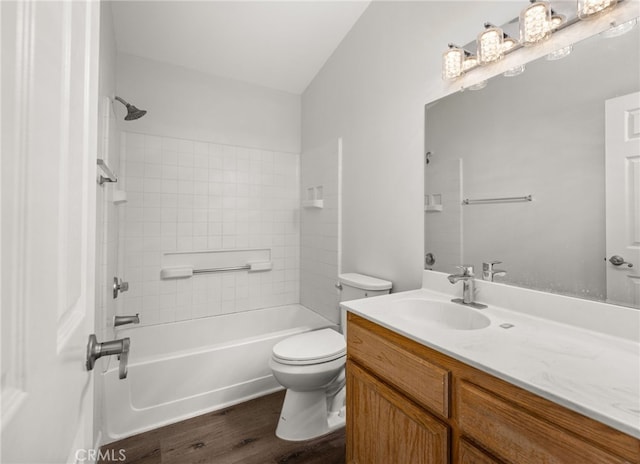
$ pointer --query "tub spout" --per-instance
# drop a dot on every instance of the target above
(122, 320)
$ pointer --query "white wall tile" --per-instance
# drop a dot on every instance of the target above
(186, 196)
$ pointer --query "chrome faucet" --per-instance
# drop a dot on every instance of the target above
(488, 272)
(97, 350)
(122, 320)
(468, 288)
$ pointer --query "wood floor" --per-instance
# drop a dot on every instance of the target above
(244, 434)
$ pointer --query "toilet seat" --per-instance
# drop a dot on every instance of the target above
(315, 347)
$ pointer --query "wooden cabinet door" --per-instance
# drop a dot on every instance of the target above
(469, 454)
(384, 427)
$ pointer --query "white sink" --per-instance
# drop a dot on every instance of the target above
(439, 314)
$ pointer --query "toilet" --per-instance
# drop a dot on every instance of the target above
(311, 367)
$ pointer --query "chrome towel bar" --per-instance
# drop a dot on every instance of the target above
(468, 201)
(222, 269)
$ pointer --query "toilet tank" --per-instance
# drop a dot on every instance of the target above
(356, 286)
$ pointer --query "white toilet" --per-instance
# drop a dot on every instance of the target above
(311, 367)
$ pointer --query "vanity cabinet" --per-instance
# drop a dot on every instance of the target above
(407, 403)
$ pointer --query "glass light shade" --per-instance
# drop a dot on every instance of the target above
(592, 8)
(560, 53)
(452, 61)
(470, 62)
(535, 23)
(490, 45)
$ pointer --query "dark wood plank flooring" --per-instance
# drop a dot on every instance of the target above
(244, 434)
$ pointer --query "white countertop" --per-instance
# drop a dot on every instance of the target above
(593, 373)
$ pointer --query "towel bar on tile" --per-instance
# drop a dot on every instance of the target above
(467, 201)
(222, 269)
(188, 271)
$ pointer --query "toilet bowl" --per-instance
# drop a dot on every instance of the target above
(311, 367)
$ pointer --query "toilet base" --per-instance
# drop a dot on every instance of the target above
(305, 416)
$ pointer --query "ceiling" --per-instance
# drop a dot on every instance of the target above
(276, 44)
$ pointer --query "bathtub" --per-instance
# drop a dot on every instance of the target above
(183, 369)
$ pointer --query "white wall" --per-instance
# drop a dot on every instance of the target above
(191, 105)
(372, 92)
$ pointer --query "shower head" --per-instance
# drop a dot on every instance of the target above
(132, 111)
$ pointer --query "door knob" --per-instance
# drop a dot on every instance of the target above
(97, 350)
(619, 261)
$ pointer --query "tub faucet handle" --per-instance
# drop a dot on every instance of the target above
(119, 286)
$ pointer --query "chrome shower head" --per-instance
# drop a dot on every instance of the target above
(132, 111)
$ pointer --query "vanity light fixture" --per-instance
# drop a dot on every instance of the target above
(535, 23)
(593, 8)
(490, 48)
(452, 62)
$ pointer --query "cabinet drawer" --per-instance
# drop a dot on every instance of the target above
(517, 436)
(423, 381)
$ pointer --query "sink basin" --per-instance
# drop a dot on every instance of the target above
(439, 314)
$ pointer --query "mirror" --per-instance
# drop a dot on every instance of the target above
(541, 133)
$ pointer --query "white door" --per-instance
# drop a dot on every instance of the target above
(623, 199)
(48, 172)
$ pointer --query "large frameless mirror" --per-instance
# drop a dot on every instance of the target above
(541, 172)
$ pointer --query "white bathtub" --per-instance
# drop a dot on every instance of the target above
(184, 369)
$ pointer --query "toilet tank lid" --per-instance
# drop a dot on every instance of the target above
(364, 282)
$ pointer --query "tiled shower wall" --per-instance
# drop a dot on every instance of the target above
(185, 195)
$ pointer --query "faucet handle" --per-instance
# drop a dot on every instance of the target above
(467, 270)
(489, 266)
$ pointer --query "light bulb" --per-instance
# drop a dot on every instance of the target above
(535, 23)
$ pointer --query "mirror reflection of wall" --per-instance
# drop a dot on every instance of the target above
(541, 133)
